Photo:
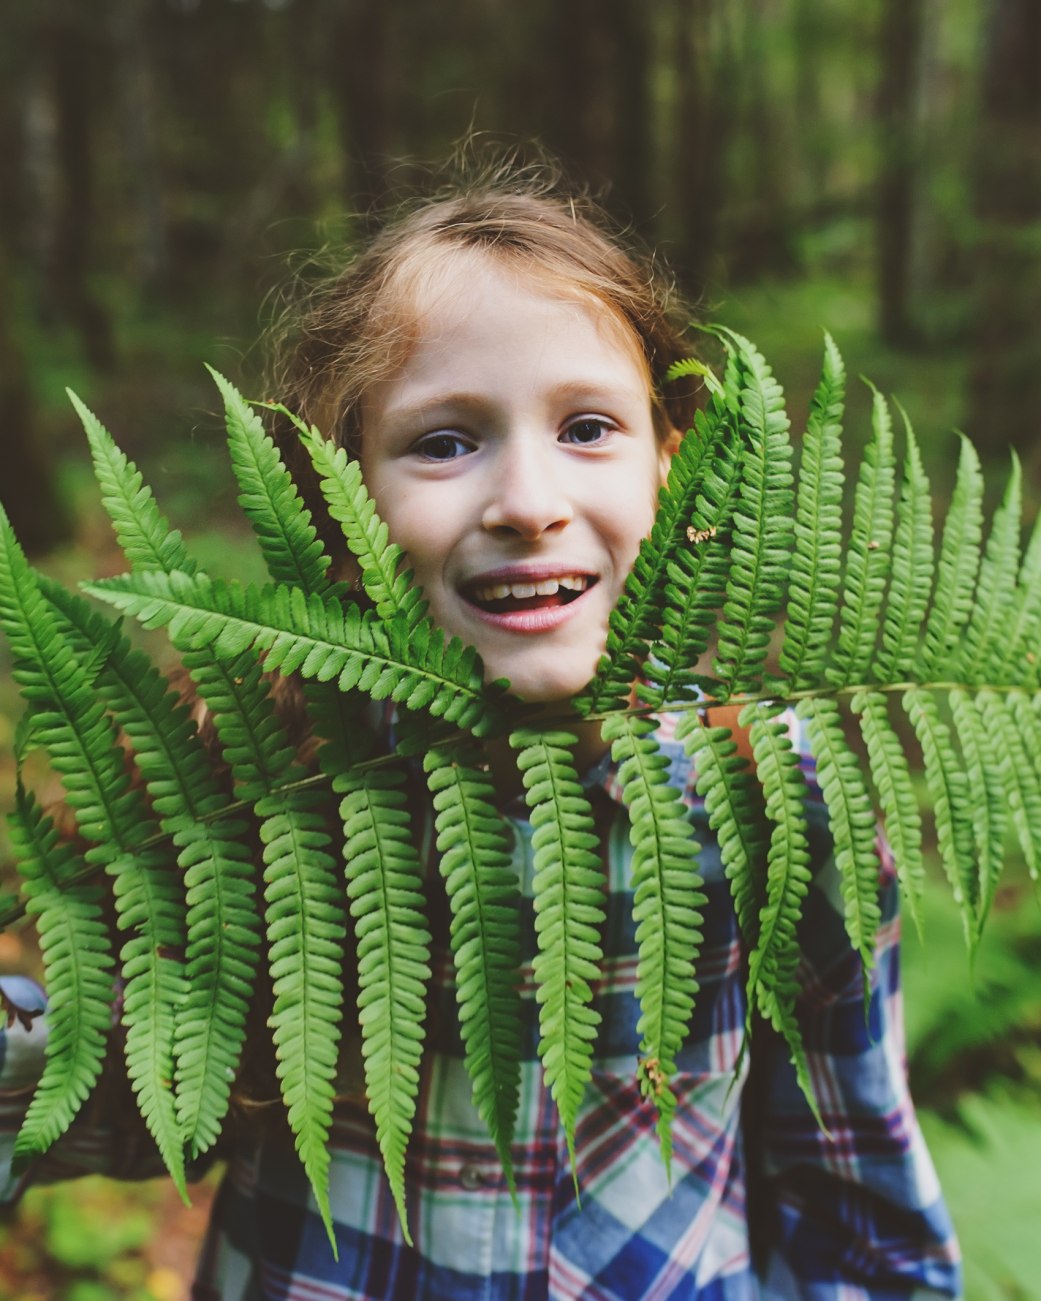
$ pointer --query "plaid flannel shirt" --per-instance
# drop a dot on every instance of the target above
(762, 1202)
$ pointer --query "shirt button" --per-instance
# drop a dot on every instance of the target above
(471, 1177)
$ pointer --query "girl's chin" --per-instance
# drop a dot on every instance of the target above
(554, 685)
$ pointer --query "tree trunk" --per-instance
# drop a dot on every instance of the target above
(27, 487)
(583, 114)
(899, 59)
(699, 142)
(359, 69)
(634, 128)
(134, 76)
(1005, 382)
(762, 240)
(75, 98)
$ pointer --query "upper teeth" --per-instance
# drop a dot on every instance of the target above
(544, 587)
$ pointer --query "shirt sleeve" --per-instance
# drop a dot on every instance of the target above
(108, 1136)
(23, 1039)
(854, 1213)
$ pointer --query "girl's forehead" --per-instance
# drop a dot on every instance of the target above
(445, 287)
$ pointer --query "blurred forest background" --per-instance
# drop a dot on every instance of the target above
(872, 168)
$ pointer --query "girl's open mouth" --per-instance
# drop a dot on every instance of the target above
(519, 596)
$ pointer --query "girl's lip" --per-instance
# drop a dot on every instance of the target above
(541, 619)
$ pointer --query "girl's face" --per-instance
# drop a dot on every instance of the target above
(515, 460)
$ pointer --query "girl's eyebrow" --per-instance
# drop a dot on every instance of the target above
(591, 391)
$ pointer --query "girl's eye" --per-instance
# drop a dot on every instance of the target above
(586, 431)
(442, 447)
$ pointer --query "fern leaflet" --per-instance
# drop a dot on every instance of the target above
(78, 968)
(762, 523)
(697, 582)
(852, 824)
(1020, 778)
(222, 923)
(383, 576)
(384, 883)
(912, 576)
(892, 780)
(772, 982)
(816, 568)
(269, 498)
(983, 770)
(637, 615)
(482, 890)
(867, 559)
(667, 903)
(569, 915)
(70, 723)
(958, 565)
(948, 788)
(734, 807)
(988, 630)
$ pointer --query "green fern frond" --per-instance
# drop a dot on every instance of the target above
(762, 523)
(1018, 660)
(772, 980)
(912, 577)
(569, 916)
(384, 883)
(212, 853)
(958, 566)
(145, 537)
(949, 791)
(313, 636)
(476, 865)
(637, 616)
(867, 557)
(731, 547)
(690, 366)
(304, 915)
(852, 823)
(304, 905)
(289, 542)
(896, 795)
(983, 771)
(1024, 713)
(735, 811)
(78, 968)
(1020, 777)
(667, 903)
(990, 625)
(383, 574)
(72, 726)
(816, 566)
(261, 759)
(697, 583)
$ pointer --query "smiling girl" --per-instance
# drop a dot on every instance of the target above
(496, 361)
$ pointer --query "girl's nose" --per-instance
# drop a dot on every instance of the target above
(526, 496)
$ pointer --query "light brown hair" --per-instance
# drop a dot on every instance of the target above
(357, 326)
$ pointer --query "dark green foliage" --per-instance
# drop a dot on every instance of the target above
(816, 567)
(666, 905)
(761, 538)
(569, 915)
(476, 866)
(78, 966)
(222, 857)
(384, 885)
